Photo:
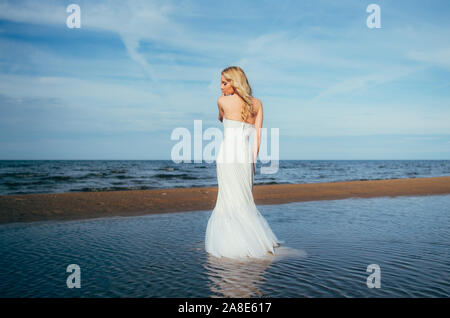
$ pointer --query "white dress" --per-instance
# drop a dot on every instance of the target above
(236, 229)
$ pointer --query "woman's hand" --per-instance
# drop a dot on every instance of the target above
(254, 167)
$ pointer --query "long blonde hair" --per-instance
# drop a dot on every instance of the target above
(236, 76)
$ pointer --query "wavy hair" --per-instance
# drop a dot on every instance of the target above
(236, 76)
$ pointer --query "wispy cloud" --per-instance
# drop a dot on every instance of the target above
(439, 58)
(364, 82)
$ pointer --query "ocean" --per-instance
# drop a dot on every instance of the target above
(329, 248)
(58, 176)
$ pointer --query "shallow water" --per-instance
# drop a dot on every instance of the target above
(327, 246)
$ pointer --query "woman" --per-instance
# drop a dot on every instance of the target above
(236, 229)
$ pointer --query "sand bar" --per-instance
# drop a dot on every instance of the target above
(85, 205)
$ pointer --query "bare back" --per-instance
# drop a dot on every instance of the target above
(231, 107)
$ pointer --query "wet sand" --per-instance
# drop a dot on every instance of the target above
(85, 205)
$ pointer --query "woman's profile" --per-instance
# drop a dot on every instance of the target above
(236, 229)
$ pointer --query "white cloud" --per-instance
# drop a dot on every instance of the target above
(134, 21)
(35, 12)
(435, 57)
(363, 82)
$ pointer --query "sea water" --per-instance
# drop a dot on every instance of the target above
(59, 176)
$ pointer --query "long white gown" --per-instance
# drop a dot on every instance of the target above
(236, 229)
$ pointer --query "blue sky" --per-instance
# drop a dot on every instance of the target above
(118, 86)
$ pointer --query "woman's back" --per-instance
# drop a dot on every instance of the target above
(232, 106)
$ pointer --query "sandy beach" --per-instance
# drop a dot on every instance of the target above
(85, 205)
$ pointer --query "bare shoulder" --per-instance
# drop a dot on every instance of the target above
(222, 100)
(257, 104)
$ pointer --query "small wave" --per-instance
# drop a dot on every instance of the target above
(269, 182)
(124, 177)
(114, 188)
(117, 171)
(184, 176)
(21, 175)
(22, 184)
(16, 193)
(12, 184)
(85, 190)
(167, 169)
(93, 175)
(188, 177)
(59, 178)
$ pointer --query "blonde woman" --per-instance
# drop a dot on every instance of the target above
(236, 229)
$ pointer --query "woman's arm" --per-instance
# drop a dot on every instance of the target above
(257, 137)
(219, 105)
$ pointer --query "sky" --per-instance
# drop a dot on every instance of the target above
(118, 86)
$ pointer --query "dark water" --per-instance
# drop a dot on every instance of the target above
(327, 246)
(53, 176)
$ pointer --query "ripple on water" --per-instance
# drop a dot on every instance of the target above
(326, 248)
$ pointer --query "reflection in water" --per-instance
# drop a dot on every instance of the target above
(241, 278)
(236, 278)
